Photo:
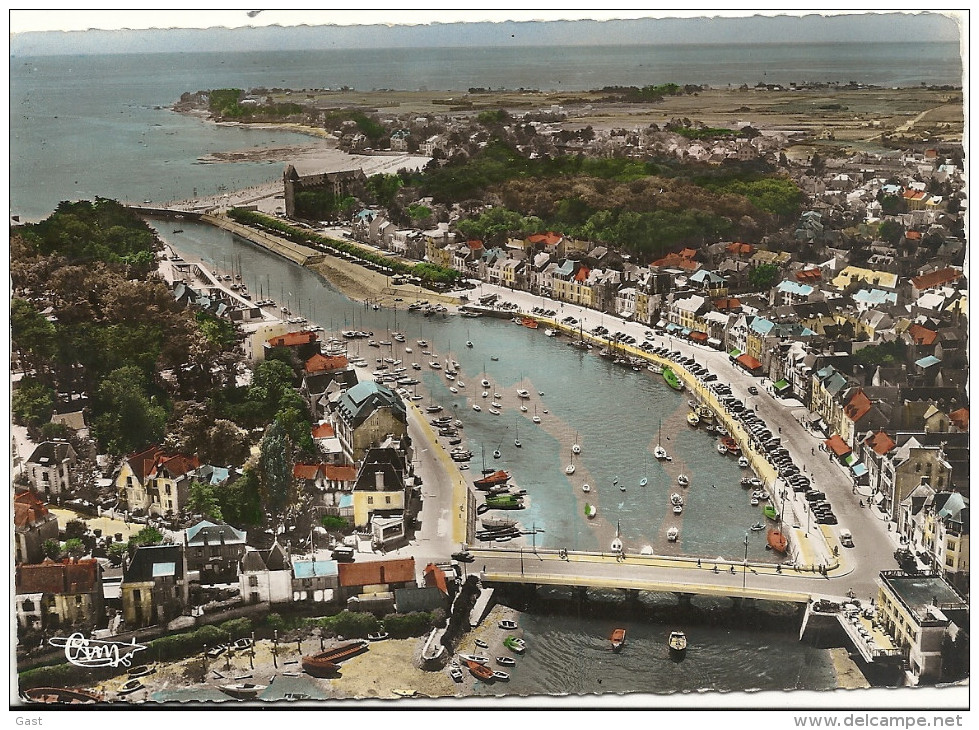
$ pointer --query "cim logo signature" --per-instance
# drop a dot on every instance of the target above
(84, 652)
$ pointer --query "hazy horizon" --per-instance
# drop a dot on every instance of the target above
(896, 27)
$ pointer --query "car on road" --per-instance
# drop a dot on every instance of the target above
(827, 519)
(463, 556)
(753, 390)
(846, 538)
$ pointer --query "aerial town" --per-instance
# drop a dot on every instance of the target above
(240, 483)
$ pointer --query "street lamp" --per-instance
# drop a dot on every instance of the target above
(744, 572)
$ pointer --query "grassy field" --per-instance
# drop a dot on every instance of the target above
(852, 116)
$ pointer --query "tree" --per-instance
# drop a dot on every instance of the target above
(75, 547)
(890, 231)
(241, 501)
(146, 536)
(203, 501)
(275, 467)
(225, 444)
(762, 277)
(52, 549)
(32, 403)
(33, 335)
(127, 418)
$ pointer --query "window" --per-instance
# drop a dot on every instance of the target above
(45, 477)
(370, 500)
(253, 581)
(27, 606)
(137, 597)
(387, 500)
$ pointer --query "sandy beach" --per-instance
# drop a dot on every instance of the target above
(388, 670)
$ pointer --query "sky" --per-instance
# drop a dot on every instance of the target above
(69, 20)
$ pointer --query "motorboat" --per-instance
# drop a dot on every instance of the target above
(242, 690)
(507, 624)
(757, 527)
(622, 487)
(721, 449)
(672, 534)
(453, 390)
(743, 462)
(672, 379)
(569, 469)
(617, 638)
(379, 636)
(643, 482)
(585, 488)
(455, 673)
(677, 642)
(590, 511)
(770, 512)
(683, 480)
(497, 396)
(496, 404)
(485, 394)
(676, 498)
(469, 343)
(677, 509)
(523, 394)
(499, 676)
(435, 365)
(476, 407)
(754, 501)
(693, 419)
(494, 411)
(535, 419)
(492, 479)
(484, 382)
(497, 454)
(760, 494)
(523, 409)
(660, 453)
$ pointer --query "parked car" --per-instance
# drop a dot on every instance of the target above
(463, 556)
(753, 390)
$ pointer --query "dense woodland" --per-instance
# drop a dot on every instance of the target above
(90, 318)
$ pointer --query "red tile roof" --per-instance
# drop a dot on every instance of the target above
(837, 445)
(582, 274)
(698, 336)
(548, 239)
(321, 363)
(858, 407)
(913, 235)
(340, 472)
(323, 431)
(880, 442)
(809, 275)
(726, 304)
(175, 466)
(28, 509)
(142, 462)
(377, 572)
(935, 278)
(960, 419)
(922, 335)
(70, 577)
(435, 577)
(292, 339)
(676, 260)
(740, 249)
(305, 471)
(475, 245)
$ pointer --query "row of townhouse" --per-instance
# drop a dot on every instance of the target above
(158, 584)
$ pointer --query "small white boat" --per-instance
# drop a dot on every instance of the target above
(453, 390)
(643, 482)
(721, 448)
(497, 454)
(507, 624)
(469, 343)
(535, 419)
(523, 394)
(495, 404)
(494, 411)
(672, 534)
(460, 384)
(501, 676)
(434, 365)
(754, 501)
(497, 395)
(676, 498)
(481, 644)
(523, 409)
(590, 511)
(758, 526)
(585, 488)
(760, 494)
(506, 661)
(484, 382)
(476, 407)
(622, 487)
(683, 480)
(485, 394)
(569, 470)
(516, 442)
(660, 453)
(576, 449)
(743, 462)
(677, 509)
